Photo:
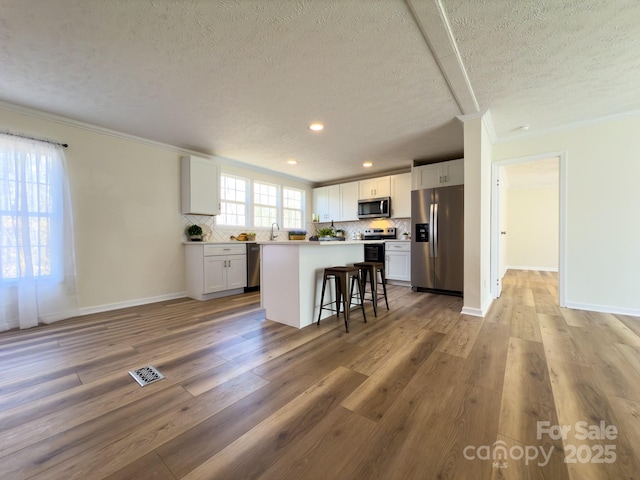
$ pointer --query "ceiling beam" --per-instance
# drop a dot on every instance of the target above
(436, 30)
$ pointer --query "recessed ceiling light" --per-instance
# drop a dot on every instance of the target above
(316, 126)
(292, 161)
(367, 164)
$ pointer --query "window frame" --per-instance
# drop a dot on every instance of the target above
(250, 203)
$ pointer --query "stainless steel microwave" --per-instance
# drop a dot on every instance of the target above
(374, 208)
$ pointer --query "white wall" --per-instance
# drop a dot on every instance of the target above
(126, 199)
(603, 198)
(532, 228)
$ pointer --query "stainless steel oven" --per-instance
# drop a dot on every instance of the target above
(374, 252)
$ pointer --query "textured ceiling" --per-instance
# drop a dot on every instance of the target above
(243, 78)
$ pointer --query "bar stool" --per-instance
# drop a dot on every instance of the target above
(341, 276)
(372, 269)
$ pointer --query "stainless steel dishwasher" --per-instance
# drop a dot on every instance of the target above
(253, 267)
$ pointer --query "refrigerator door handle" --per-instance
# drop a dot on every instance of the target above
(431, 230)
(434, 229)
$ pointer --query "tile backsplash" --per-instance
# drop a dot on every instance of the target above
(213, 233)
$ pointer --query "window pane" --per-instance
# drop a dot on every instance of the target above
(233, 201)
(30, 223)
(292, 203)
(265, 202)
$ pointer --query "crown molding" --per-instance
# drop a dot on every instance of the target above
(570, 126)
(51, 117)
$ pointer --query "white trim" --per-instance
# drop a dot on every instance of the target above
(477, 312)
(634, 312)
(534, 269)
(563, 128)
(129, 303)
(132, 138)
(495, 233)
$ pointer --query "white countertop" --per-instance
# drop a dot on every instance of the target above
(331, 243)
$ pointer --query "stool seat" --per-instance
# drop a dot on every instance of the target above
(372, 269)
(344, 294)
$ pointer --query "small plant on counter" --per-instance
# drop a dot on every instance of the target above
(339, 232)
(195, 233)
(326, 232)
(297, 234)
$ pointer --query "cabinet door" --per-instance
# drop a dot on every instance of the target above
(200, 179)
(326, 203)
(349, 201)
(215, 274)
(321, 203)
(333, 192)
(401, 195)
(375, 188)
(236, 271)
(453, 172)
(398, 266)
(426, 176)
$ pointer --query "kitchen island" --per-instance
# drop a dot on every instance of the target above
(291, 275)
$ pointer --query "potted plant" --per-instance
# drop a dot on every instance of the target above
(195, 233)
(326, 233)
(297, 234)
(405, 235)
(339, 233)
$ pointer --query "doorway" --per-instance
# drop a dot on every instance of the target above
(523, 232)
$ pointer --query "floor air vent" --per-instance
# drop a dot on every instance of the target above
(146, 375)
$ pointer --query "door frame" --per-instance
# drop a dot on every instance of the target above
(495, 220)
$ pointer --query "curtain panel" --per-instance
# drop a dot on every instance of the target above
(37, 261)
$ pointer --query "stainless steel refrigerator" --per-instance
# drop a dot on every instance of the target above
(437, 243)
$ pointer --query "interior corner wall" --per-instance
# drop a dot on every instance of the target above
(532, 228)
(477, 215)
(602, 165)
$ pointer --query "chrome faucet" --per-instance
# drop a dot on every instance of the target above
(272, 236)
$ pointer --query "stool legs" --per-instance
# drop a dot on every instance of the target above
(384, 287)
(344, 292)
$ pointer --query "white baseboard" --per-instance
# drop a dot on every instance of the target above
(478, 312)
(634, 312)
(129, 303)
(537, 269)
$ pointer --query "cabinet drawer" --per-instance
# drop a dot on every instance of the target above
(401, 246)
(225, 249)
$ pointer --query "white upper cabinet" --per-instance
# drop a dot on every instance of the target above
(401, 195)
(441, 174)
(349, 201)
(326, 203)
(375, 188)
(200, 186)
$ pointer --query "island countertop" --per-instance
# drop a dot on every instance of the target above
(318, 243)
(291, 277)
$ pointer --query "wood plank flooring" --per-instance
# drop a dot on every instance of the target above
(419, 392)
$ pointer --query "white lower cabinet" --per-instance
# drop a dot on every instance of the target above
(215, 270)
(398, 262)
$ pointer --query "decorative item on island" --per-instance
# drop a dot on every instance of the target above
(194, 232)
(326, 233)
(244, 237)
(297, 234)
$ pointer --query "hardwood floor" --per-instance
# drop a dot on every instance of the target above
(419, 392)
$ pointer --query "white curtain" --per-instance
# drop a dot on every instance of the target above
(37, 262)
